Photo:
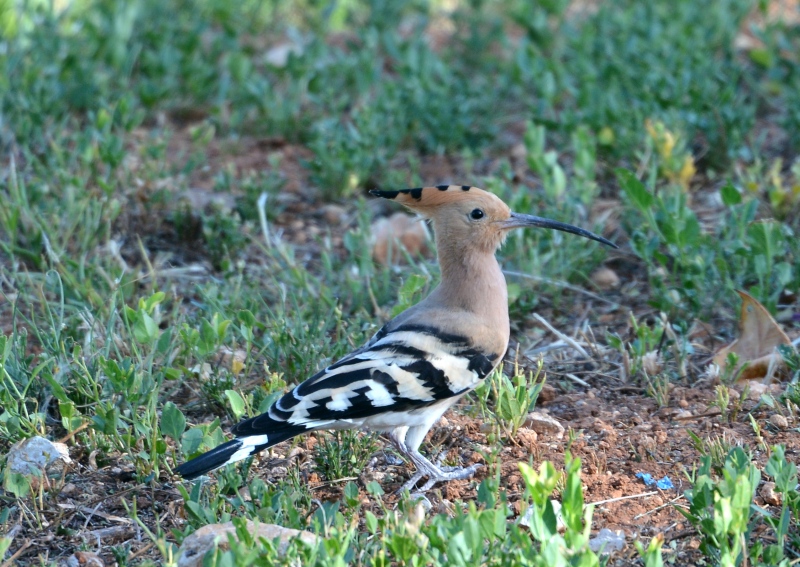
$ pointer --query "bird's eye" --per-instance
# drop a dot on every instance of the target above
(476, 214)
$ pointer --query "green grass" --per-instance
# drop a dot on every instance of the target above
(140, 328)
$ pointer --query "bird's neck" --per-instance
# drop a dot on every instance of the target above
(473, 281)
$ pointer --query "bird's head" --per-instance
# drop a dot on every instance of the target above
(461, 213)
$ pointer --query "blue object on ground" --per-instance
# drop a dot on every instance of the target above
(664, 484)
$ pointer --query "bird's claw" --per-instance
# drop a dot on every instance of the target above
(441, 474)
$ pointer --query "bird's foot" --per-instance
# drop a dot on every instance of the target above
(438, 474)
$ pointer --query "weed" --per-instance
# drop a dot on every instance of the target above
(658, 388)
(506, 402)
(343, 454)
(721, 508)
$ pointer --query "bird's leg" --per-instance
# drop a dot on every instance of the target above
(425, 468)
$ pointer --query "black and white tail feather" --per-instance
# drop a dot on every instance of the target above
(401, 381)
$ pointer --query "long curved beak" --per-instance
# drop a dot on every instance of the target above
(519, 220)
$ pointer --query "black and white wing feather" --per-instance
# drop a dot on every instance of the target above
(380, 386)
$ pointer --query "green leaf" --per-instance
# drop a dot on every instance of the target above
(57, 389)
(635, 189)
(237, 403)
(145, 328)
(173, 421)
(191, 440)
(351, 494)
(371, 521)
(730, 195)
(17, 484)
(246, 317)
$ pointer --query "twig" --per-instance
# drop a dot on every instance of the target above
(562, 336)
(72, 434)
(564, 285)
(336, 481)
(262, 216)
(577, 380)
(102, 533)
(657, 508)
(546, 348)
(680, 534)
(142, 551)
(95, 512)
(10, 561)
(707, 414)
(642, 495)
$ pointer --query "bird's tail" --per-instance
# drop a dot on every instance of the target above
(232, 451)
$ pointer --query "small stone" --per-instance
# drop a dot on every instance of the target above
(443, 422)
(85, 559)
(683, 403)
(779, 421)
(37, 453)
(685, 414)
(518, 152)
(393, 234)
(527, 437)
(605, 279)
(757, 389)
(547, 395)
(767, 492)
(195, 547)
(69, 489)
(543, 424)
(334, 214)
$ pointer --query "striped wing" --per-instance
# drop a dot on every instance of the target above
(406, 368)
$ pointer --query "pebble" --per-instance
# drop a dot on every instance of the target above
(543, 424)
(605, 278)
(779, 421)
(395, 232)
(334, 214)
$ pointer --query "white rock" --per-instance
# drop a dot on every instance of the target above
(195, 547)
(607, 540)
(36, 454)
(543, 424)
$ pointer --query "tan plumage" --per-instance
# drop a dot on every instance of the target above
(422, 361)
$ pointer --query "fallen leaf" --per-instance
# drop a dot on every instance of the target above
(759, 334)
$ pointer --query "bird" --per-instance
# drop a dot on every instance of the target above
(422, 361)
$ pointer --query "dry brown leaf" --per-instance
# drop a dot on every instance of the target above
(759, 334)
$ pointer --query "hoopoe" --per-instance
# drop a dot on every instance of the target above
(422, 361)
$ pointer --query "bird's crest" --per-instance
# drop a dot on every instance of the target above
(427, 198)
